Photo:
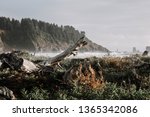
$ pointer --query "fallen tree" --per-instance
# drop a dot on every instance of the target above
(30, 79)
(23, 66)
(72, 50)
(89, 78)
(12, 61)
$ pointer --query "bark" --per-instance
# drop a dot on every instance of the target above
(72, 50)
(12, 61)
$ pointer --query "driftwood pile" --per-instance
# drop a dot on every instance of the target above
(85, 73)
(79, 74)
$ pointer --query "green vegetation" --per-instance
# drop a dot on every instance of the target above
(123, 80)
(33, 35)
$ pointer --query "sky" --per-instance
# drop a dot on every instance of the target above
(114, 24)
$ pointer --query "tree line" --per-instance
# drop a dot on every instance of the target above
(31, 34)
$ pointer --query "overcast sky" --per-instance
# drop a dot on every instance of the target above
(114, 24)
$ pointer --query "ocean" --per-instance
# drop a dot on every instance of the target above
(87, 54)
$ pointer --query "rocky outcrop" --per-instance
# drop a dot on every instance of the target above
(32, 35)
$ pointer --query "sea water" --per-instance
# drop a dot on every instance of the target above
(87, 54)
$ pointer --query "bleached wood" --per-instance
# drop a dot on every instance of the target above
(72, 50)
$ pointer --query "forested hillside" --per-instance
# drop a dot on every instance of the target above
(34, 35)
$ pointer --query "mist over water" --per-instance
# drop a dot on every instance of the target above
(87, 54)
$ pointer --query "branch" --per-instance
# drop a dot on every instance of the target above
(12, 61)
(72, 50)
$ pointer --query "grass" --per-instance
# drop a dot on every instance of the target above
(122, 81)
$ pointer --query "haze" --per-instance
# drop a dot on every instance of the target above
(114, 24)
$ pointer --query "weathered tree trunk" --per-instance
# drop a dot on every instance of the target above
(72, 50)
(12, 61)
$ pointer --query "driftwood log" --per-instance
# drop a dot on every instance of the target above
(72, 50)
(12, 61)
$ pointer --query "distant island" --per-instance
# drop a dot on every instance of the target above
(33, 35)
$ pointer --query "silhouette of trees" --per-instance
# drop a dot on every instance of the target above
(30, 34)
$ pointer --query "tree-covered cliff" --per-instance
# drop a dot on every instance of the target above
(34, 35)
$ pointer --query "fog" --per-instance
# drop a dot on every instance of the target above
(87, 54)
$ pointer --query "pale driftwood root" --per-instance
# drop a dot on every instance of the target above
(6, 93)
(84, 74)
(28, 66)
